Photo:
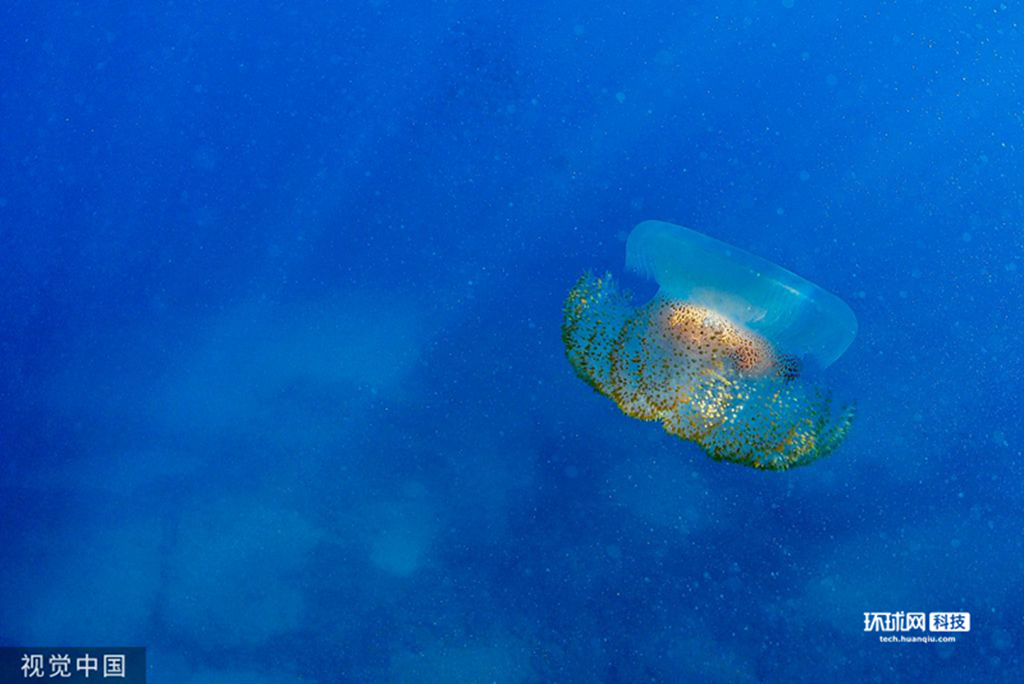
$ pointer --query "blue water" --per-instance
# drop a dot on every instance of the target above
(282, 391)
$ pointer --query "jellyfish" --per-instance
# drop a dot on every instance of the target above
(722, 355)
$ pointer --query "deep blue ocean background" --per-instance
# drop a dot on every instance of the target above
(282, 391)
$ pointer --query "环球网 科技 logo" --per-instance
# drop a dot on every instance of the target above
(909, 622)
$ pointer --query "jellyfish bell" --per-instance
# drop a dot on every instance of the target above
(717, 354)
(792, 314)
(695, 326)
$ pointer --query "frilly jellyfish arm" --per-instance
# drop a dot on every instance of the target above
(711, 356)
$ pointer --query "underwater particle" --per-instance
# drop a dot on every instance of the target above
(579, 29)
(966, 237)
(665, 58)
(620, 97)
(718, 355)
(500, 660)
(1001, 639)
(400, 536)
(788, 4)
(804, 176)
(831, 81)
